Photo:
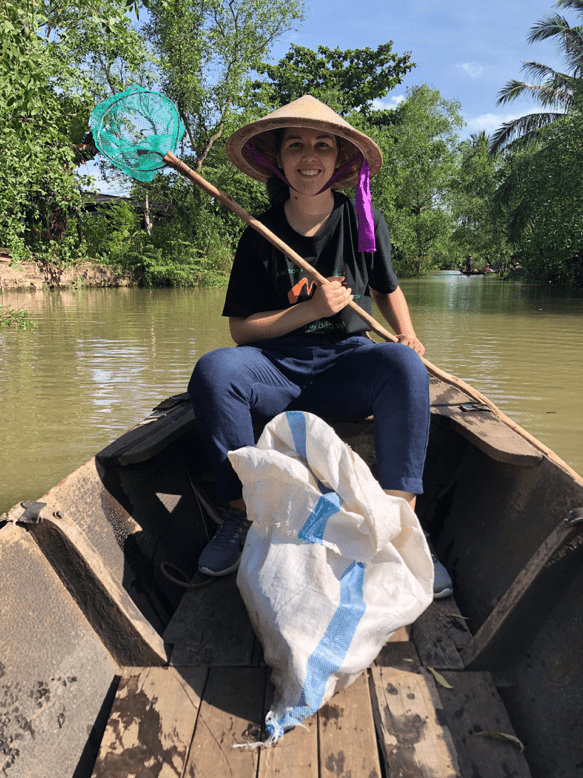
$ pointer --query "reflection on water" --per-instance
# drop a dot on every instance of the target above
(100, 359)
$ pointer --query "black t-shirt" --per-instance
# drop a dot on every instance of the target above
(264, 279)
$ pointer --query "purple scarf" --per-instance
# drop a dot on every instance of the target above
(366, 237)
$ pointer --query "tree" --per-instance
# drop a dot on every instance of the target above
(46, 93)
(541, 199)
(478, 231)
(206, 53)
(555, 90)
(347, 81)
(419, 144)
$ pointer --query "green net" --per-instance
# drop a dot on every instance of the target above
(135, 129)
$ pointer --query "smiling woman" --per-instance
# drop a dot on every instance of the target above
(300, 346)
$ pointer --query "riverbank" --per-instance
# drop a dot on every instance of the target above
(39, 275)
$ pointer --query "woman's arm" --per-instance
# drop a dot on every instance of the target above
(326, 301)
(395, 310)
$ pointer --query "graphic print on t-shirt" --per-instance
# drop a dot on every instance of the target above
(294, 293)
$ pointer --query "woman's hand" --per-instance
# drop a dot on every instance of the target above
(330, 298)
(413, 342)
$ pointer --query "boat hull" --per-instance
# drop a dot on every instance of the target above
(491, 501)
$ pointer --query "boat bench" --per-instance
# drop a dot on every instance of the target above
(415, 712)
(449, 406)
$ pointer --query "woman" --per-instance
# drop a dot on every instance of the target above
(298, 345)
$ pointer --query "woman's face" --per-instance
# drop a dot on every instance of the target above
(308, 158)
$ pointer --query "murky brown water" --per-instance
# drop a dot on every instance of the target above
(100, 359)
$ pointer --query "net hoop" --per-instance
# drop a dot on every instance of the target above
(135, 129)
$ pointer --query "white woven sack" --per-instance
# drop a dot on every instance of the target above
(332, 566)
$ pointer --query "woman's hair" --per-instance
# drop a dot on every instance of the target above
(278, 190)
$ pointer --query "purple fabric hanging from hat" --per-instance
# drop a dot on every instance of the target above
(366, 236)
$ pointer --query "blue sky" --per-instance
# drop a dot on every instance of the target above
(466, 49)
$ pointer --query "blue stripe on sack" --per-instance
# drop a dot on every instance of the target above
(315, 525)
(330, 652)
(329, 503)
(297, 425)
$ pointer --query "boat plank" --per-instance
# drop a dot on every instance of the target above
(409, 719)
(473, 707)
(151, 724)
(211, 627)
(401, 654)
(129, 637)
(346, 730)
(438, 633)
(481, 427)
(169, 421)
(230, 714)
(520, 614)
(296, 754)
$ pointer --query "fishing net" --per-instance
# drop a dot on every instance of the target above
(135, 129)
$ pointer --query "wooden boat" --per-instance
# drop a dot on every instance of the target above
(109, 668)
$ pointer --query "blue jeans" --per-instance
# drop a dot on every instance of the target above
(348, 378)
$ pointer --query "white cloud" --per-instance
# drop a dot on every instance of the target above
(490, 121)
(388, 103)
(473, 69)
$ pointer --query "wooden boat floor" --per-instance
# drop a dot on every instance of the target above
(415, 713)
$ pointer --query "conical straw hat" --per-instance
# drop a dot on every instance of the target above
(306, 112)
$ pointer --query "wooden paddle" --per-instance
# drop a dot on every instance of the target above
(172, 161)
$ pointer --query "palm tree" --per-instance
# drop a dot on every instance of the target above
(555, 90)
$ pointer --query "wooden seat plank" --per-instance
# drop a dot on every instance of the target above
(150, 727)
(473, 707)
(211, 627)
(481, 427)
(167, 422)
(230, 714)
(296, 754)
(409, 719)
(348, 744)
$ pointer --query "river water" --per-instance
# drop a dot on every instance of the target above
(101, 359)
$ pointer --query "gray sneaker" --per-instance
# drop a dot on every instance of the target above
(442, 583)
(222, 554)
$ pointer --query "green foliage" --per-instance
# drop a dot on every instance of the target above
(541, 198)
(186, 250)
(206, 53)
(442, 200)
(109, 231)
(479, 230)
(345, 80)
(419, 147)
(17, 317)
(555, 91)
(55, 58)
